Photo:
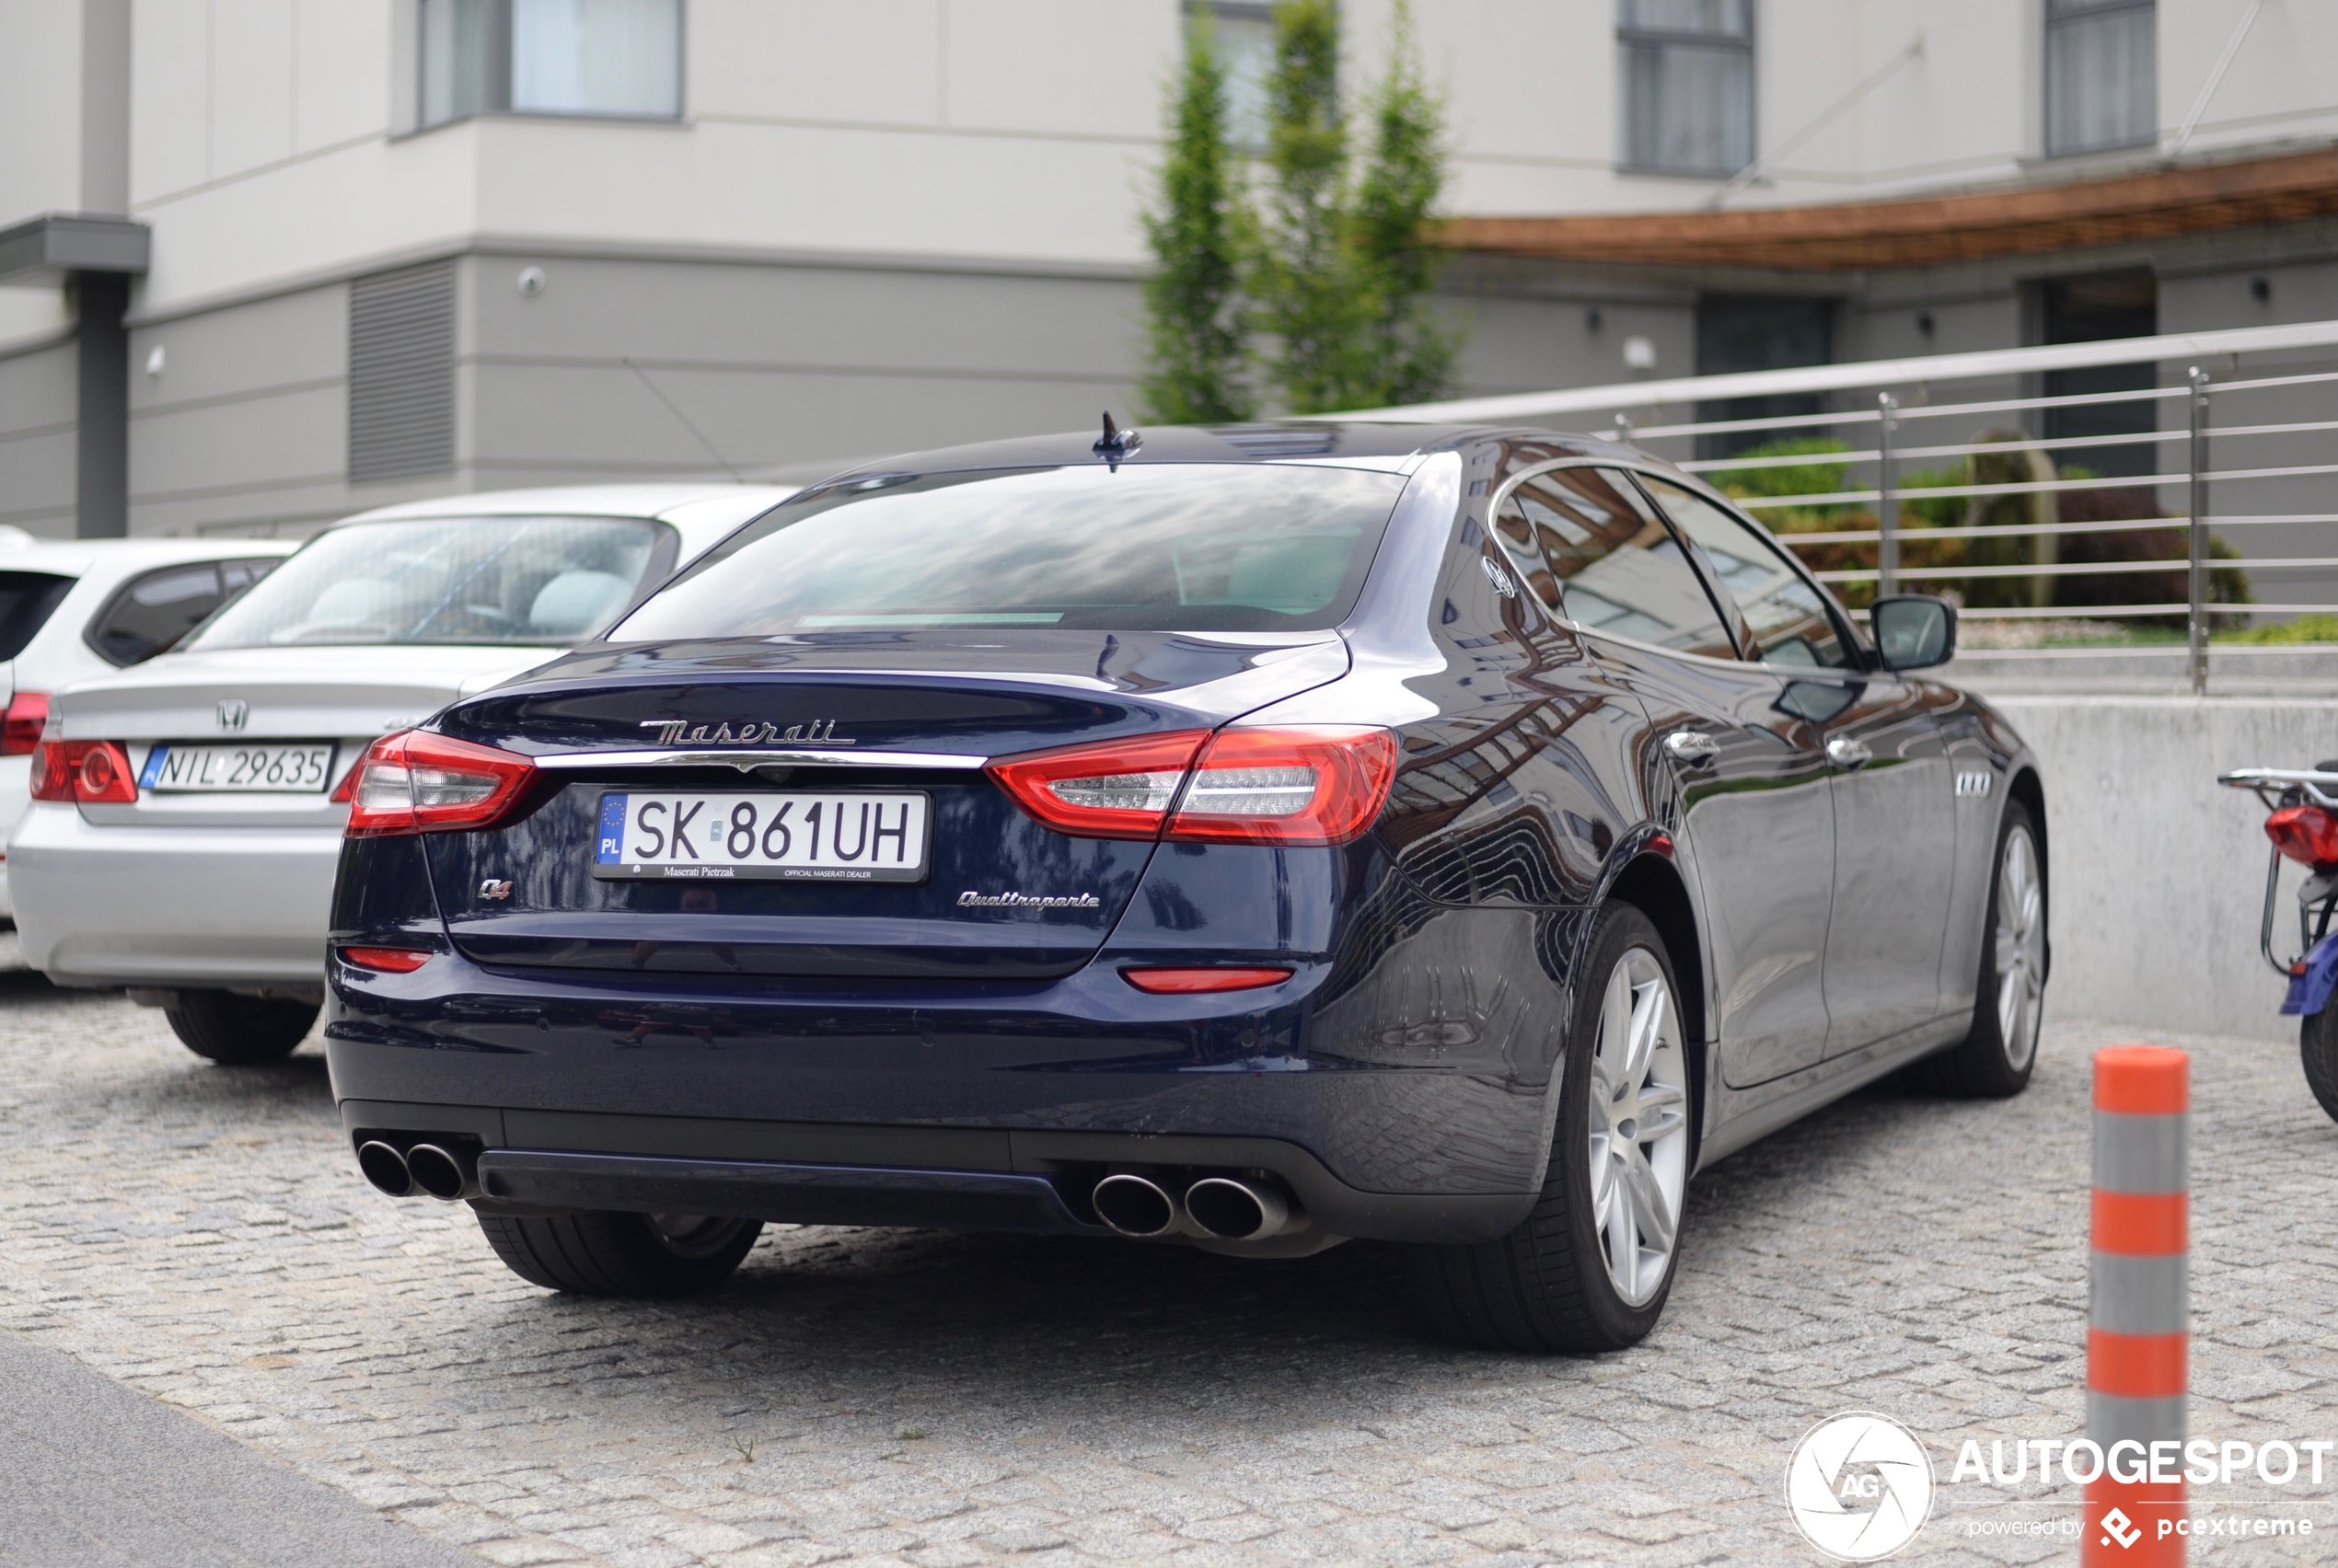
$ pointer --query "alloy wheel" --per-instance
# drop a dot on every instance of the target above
(2019, 951)
(1640, 1126)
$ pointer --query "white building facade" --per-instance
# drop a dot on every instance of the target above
(350, 252)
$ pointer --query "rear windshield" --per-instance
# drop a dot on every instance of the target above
(26, 600)
(1174, 548)
(537, 582)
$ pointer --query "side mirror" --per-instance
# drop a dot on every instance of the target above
(1914, 632)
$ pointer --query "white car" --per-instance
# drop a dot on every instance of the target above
(187, 814)
(74, 608)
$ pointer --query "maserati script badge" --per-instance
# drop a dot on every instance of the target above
(678, 733)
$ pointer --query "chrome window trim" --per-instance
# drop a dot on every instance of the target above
(1578, 627)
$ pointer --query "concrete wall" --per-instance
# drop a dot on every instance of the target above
(37, 428)
(2158, 873)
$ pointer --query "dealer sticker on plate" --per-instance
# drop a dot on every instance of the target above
(798, 835)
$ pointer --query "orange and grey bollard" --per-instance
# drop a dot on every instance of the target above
(2137, 1312)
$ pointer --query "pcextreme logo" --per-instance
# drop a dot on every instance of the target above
(2117, 1526)
(1859, 1486)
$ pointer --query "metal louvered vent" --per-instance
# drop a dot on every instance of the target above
(401, 374)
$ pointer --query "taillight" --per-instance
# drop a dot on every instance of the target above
(1107, 789)
(2304, 832)
(1291, 784)
(1192, 981)
(91, 772)
(1303, 784)
(389, 960)
(20, 725)
(415, 782)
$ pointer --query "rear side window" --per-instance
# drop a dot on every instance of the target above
(1606, 562)
(1135, 547)
(1788, 620)
(154, 609)
(27, 601)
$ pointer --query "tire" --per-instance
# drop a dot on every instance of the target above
(2317, 1046)
(239, 1031)
(638, 1256)
(1555, 1283)
(1994, 1062)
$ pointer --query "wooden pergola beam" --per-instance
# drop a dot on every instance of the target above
(1847, 235)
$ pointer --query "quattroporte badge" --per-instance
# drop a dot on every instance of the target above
(970, 899)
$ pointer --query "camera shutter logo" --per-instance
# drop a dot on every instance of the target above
(1859, 1486)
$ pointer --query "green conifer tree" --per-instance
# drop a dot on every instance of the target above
(1200, 234)
(1409, 358)
(1304, 276)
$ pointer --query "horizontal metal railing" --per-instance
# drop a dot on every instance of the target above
(1902, 401)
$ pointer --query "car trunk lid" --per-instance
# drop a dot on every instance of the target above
(868, 715)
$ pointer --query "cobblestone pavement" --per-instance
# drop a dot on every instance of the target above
(201, 1235)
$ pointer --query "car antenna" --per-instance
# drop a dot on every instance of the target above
(1116, 444)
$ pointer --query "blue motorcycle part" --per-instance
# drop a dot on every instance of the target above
(2316, 978)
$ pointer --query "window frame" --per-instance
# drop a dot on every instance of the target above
(1732, 619)
(2050, 25)
(1629, 36)
(123, 588)
(1560, 616)
(1733, 612)
(417, 89)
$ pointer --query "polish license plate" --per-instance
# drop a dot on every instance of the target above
(298, 768)
(797, 835)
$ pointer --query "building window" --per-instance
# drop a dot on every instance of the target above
(1687, 68)
(1245, 36)
(613, 57)
(2102, 74)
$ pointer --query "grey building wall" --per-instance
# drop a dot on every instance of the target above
(623, 366)
(244, 430)
(785, 365)
(780, 366)
(38, 427)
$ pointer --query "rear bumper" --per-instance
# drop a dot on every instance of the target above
(200, 906)
(1380, 1131)
(1026, 1180)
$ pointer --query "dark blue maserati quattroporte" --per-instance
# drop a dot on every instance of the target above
(1248, 838)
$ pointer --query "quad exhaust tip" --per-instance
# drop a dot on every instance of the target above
(427, 1167)
(436, 1172)
(1228, 1208)
(385, 1168)
(1136, 1206)
(1236, 1210)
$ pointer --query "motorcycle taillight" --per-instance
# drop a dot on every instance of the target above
(2305, 834)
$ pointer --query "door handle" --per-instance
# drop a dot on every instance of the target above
(1844, 752)
(1692, 746)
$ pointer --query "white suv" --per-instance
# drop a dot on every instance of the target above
(72, 609)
